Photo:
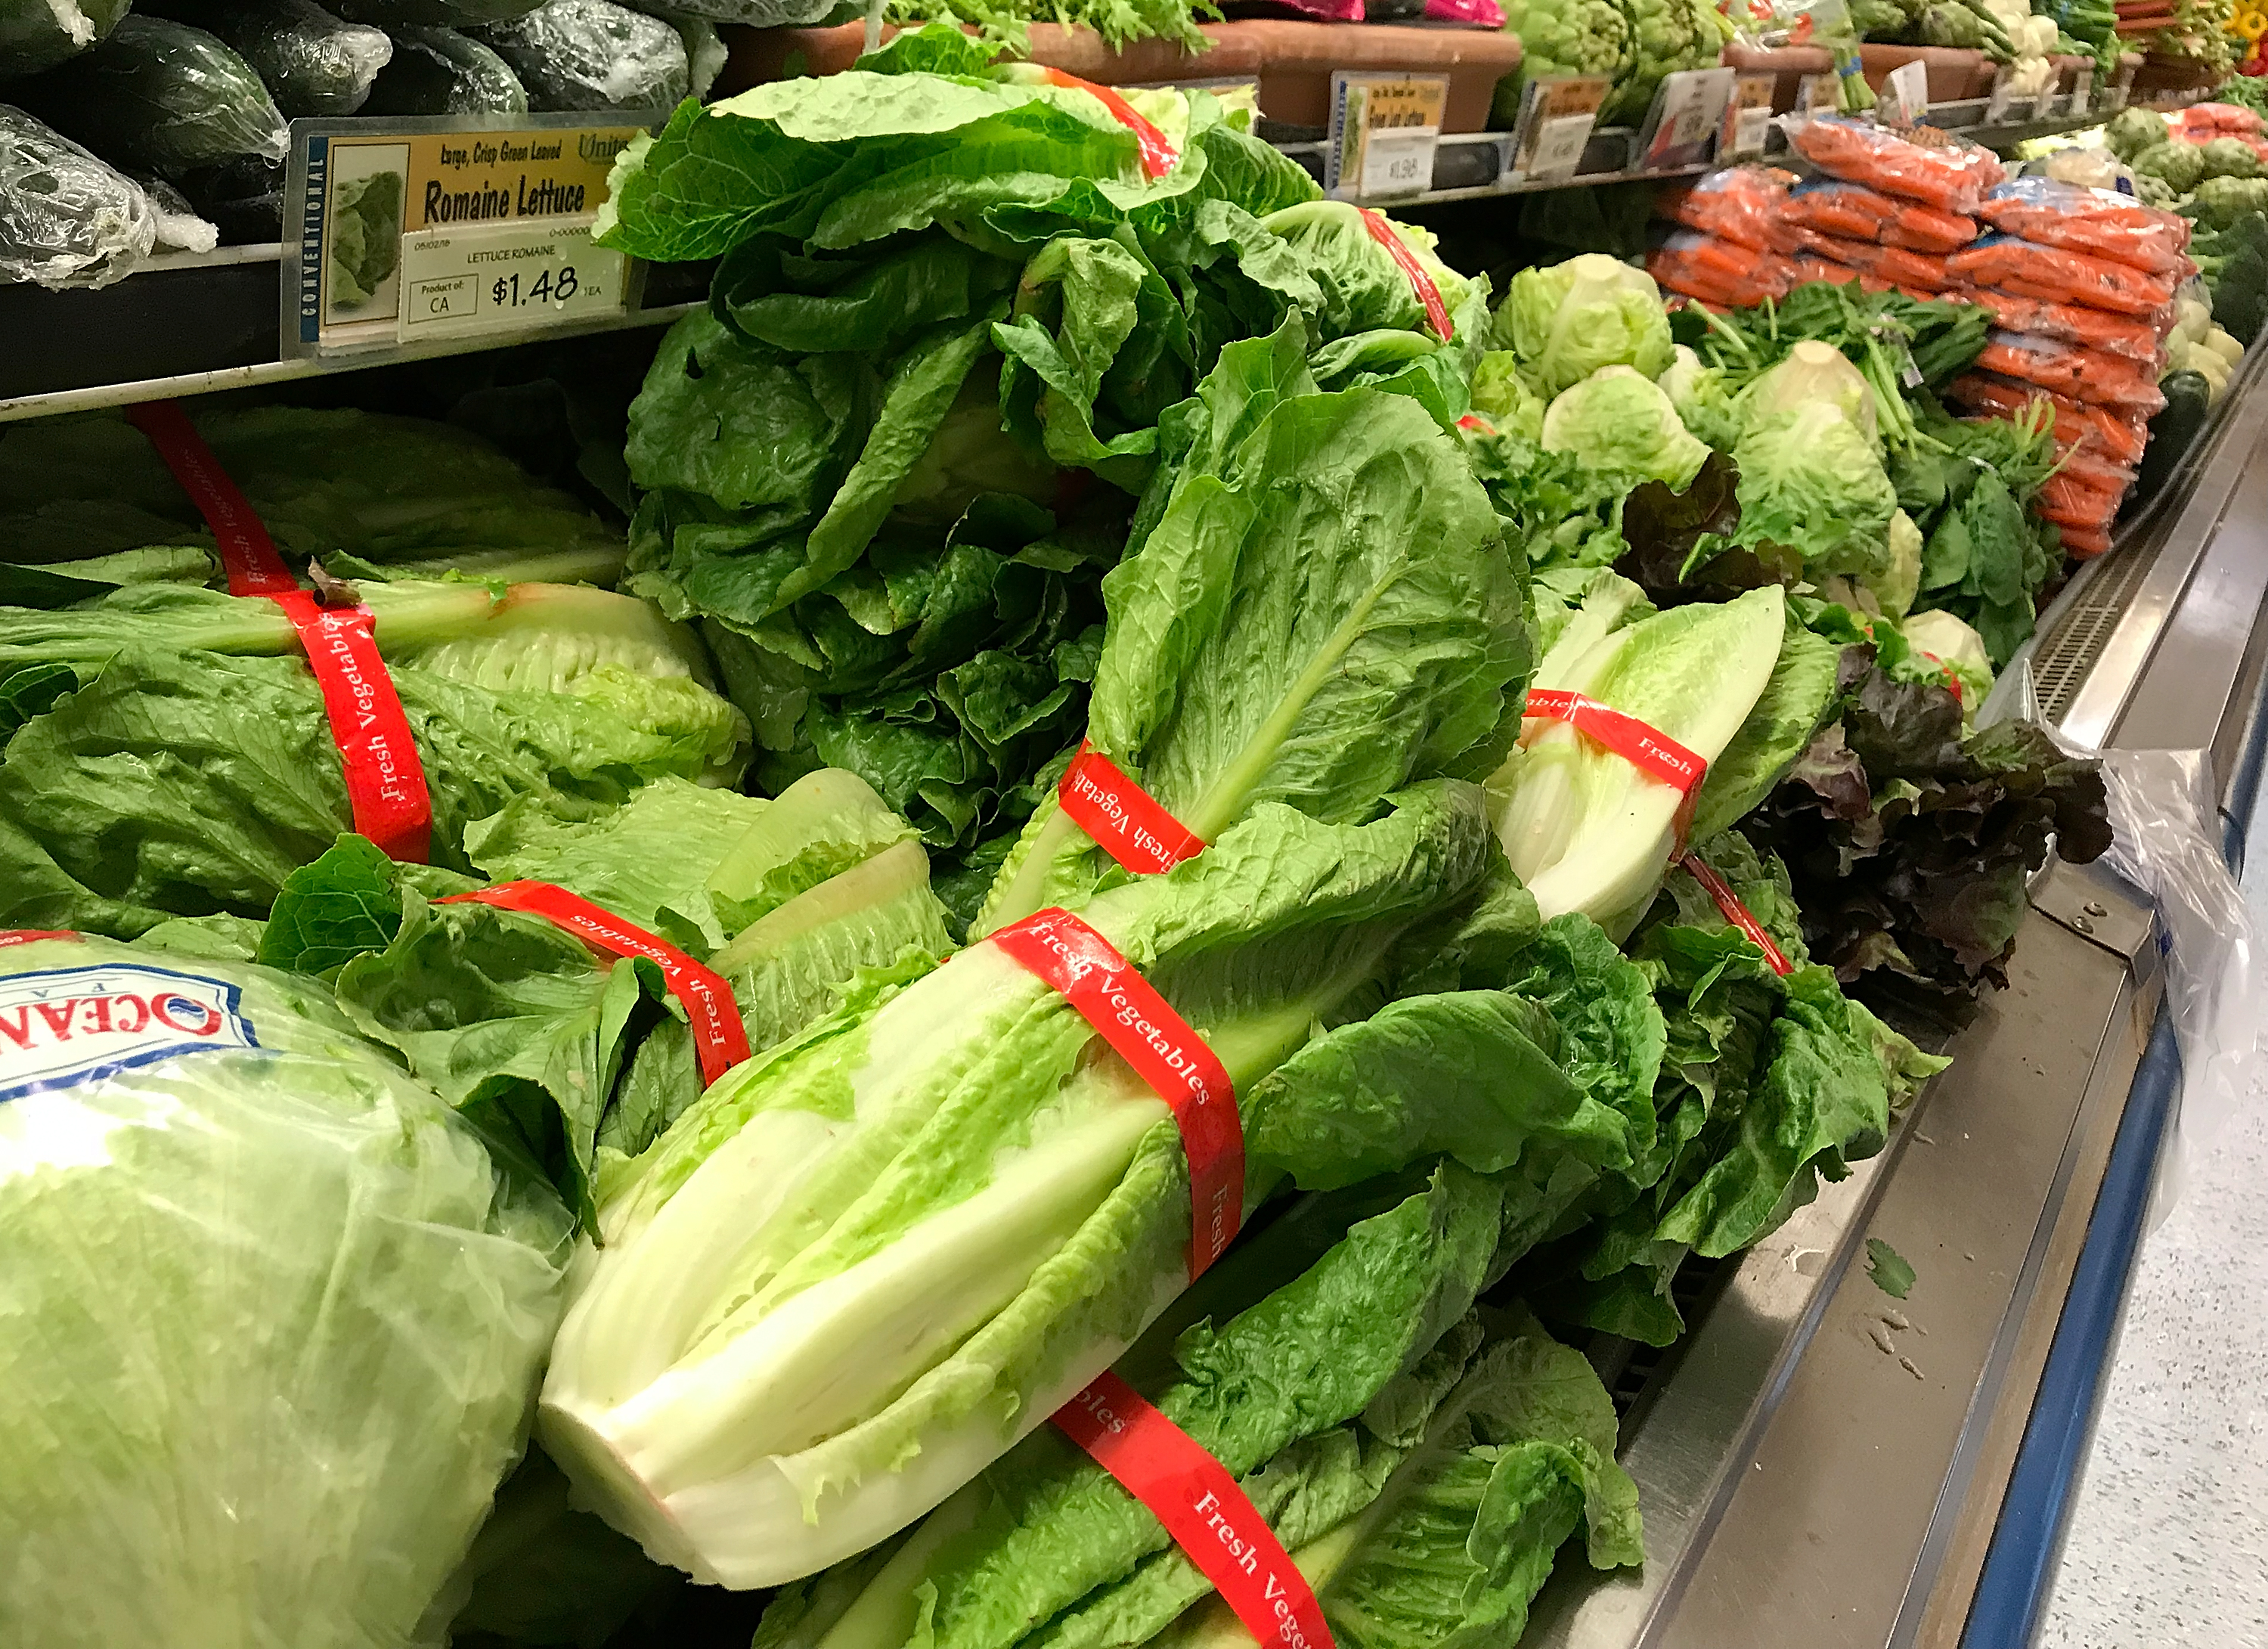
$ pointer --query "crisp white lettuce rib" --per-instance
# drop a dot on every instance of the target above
(865, 1263)
(1585, 828)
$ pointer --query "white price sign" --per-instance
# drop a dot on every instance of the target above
(507, 277)
(1688, 112)
(1384, 131)
(1906, 94)
(1559, 143)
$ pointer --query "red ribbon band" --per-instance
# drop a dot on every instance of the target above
(1159, 156)
(718, 1037)
(387, 791)
(1437, 312)
(1208, 1516)
(1125, 821)
(1655, 754)
(1111, 995)
(28, 936)
(1738, 914)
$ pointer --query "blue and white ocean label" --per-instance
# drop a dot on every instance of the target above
(74, 1025)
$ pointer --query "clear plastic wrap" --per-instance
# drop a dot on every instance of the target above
(705, 51)
(160, 96)
(440, 71)
(448, 14)
(1740, 204)
(2079, 374)
(2128, 336)
(179, 227)
(36, 34)
(2165, 839)
(274, 1318)
(2106, 432)
(315, 65)
(66, 218)
(1851, 211)
(1713, 271)
(1951, 176)
(2098, 222)
(243, 197)
(2055, 276)
(763, 14)
(1912, 271)
(2075, 502)
(592, 55)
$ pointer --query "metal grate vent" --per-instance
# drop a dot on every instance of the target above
(1634, 1371)
(2062, 660)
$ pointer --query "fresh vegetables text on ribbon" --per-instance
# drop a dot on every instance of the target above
(1651, 751)
(386, 791)
(1736, 913)
(1210, 1518)
(1125, 821)
(1113, 998)
(718, 1037)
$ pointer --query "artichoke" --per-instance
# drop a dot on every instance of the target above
(2231, 158)
(2181, 164)
(1562, 37)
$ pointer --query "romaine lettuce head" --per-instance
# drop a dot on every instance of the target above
(274, 1321)
(1568, 320)
(1616, 420)
(1364, 287)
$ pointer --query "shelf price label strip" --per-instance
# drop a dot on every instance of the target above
(385, 779)
(1110, 994)
(718, 1037)
(1210, 1518)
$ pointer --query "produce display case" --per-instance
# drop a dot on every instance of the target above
(1819, 1465)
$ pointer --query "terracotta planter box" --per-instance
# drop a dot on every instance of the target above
(1954, 75)
(1788, 66)
(1293, 62)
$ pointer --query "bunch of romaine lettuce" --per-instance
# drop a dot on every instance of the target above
(168, 754)
(1422, 1460)
(887, 467)
(87, 504)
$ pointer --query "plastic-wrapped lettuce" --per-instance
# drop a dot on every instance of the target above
(274, 1317)
(592, 55)
(705, 52)
(457, 14)
(314, 65)
(66, 218)
(162, 97)
(36, 34)
(440, 71)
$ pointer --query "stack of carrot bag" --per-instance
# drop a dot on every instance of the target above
(2083, 286)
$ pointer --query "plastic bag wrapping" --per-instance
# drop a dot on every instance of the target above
(2115, 434)
(762, 14)
(705, 51)
(1853, 211)
(2166, 831)
(36, 34)
(275, 1322)
(434, 13)
(243, 197)
(160, 96)
(440, 71)
(1713, 271)
(2098, 222)
(1911, 270)
(2129, 335)
(1740, 204)
(1952, 176)
(592, 55)
(178, 226)
(316, 66)
(66, 218)
(2083, 375)
(2054, 275)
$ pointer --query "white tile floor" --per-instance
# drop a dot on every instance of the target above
(2169, 1540)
